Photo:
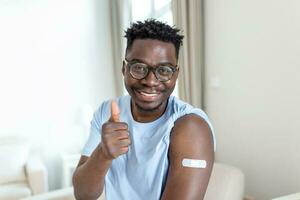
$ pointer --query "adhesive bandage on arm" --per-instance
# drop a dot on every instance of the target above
(193, 163)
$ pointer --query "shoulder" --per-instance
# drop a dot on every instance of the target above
(180, 108)
(194, 129)
(191, 120)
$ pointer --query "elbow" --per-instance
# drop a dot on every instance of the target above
(85, 195)
(82, 192)
(76, 188)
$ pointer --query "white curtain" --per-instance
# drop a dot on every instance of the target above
(187, 15)
(120, 19)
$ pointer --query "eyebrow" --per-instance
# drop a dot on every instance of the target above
(136, 60)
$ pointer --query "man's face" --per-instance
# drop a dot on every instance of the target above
(150, 94)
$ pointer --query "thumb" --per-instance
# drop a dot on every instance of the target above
(115, 112)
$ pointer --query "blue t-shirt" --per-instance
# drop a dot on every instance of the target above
(140, 173)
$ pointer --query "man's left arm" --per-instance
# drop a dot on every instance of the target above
(191, 138)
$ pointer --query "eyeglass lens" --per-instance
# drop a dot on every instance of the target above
(140, 71)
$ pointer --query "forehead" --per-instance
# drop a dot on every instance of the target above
(152, 51)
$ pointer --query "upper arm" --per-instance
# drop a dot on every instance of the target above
(191, 138)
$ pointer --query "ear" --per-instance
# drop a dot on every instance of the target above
(123, 68)
(177, 71)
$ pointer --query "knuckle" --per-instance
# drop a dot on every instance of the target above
(129, 142)
(123, 134)
(125, 125)
(125, 143)
(105, 126)
(124, 150)
(122, 125)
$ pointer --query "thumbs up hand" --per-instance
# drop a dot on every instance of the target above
(115, 136)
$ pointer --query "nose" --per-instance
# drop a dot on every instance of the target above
(150, 80)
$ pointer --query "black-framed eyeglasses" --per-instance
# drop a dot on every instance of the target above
(139, 70)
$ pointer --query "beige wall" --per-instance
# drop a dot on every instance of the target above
(252, 66)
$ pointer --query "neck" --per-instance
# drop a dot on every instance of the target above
(141, 115)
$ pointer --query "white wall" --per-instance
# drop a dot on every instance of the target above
(55, 59)
(252, 90)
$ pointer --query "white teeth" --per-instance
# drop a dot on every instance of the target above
(148, 95)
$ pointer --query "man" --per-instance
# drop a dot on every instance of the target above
(148, 145)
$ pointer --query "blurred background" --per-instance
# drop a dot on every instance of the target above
(240, 63)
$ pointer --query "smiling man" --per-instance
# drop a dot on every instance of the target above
(147, 145)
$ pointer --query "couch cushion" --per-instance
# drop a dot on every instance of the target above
(14, 191)
(13, 156)
(226, 183)
(61, 194)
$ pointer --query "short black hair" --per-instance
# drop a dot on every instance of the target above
(153, 29)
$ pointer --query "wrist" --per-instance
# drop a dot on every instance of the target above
(102, 155)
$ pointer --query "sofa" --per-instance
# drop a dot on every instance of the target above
(295, 196)
(62, 194)
(21, 175)
(226, 183)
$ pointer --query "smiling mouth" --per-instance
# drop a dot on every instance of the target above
(147, 96)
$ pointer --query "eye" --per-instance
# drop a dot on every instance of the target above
(164, 70)
(138, 68)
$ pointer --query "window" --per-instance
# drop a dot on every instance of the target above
(158, 9)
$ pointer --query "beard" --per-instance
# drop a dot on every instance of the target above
(149, 110)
